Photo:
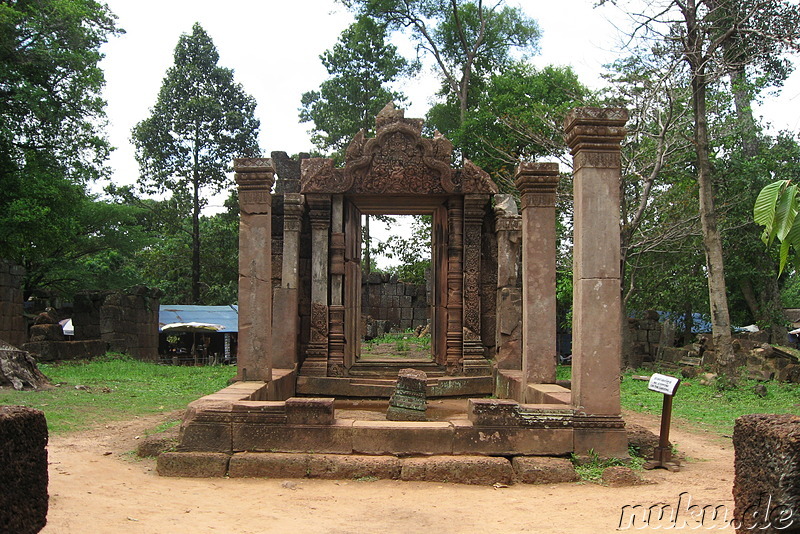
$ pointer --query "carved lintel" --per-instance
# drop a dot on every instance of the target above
(337, 253)
(476, 180)
(318, 175)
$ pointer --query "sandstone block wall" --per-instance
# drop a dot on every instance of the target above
(385, 298)
(125, 321)
(766, 486)
(23, 470)
(12, 322)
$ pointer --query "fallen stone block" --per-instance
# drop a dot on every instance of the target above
(543, 470)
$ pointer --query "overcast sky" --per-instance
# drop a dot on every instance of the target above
(274, 46)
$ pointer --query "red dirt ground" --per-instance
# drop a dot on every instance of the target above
(97, 485)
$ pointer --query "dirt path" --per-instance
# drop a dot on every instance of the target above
(96, 486)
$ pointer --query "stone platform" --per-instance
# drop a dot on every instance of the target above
(238, 420)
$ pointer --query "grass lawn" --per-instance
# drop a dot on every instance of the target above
(714, 407)
(114, 388)
(117, 387)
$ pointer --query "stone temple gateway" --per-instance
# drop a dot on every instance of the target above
(491, 336)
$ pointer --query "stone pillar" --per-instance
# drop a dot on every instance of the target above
(285, 319)
(594, 136)
(475, 362)
(337, 338)
(254, 176)
(537, 183)
(454, 337)
(508, 229)
(316, 362)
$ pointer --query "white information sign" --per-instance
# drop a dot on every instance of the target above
(663, 384)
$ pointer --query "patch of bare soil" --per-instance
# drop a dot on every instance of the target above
(96, 486)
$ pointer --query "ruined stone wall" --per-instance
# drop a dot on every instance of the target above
(641, 341)
(12, 322)
(117, 321)
(403, 305)
(23, 470)
(766, 486)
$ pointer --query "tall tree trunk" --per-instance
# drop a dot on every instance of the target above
(196, 239)
(712, 240)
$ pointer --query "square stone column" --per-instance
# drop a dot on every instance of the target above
(286, 320)
(537, 184)
(594, 136)
(319, 210)
(255, 176)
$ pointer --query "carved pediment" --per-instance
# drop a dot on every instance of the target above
(398, 160)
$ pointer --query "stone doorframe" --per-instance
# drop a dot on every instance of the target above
(397, 172)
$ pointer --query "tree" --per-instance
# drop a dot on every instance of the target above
(360, 66)
(518, 116)
(467, 40)
(202, 119)
(51, 141)
(698, 33)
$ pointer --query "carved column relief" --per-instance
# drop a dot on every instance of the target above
(286, 321)
(594, 136)
(537, 183)
(255, 176)
(316, 362)
(455, 282)
(475, 362)
(508, 228)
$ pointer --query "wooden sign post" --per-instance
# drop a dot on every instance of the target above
(662, 455)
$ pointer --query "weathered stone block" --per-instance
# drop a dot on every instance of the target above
(399, 437)
(766, 487)
(192, 464)
(309, 411)
(333, 438)
(544, 470)
(268, 465)
(492, 412)
(504, 440)
(341, 467)
(23, 470)
(480, 470)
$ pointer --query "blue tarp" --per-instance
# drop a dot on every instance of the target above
(227, 316)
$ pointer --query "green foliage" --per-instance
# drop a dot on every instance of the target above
(414, 252)
(466, 39)
(117, 387)
(51, 144)
(591, 469)
(517, 116)
(200, 122)
(360, 66)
